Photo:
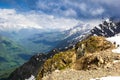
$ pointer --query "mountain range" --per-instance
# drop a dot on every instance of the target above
(16, 47)
(107, 28)
(29, 41)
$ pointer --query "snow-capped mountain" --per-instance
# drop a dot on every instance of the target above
(74, 34)
(80, 28)
(107, 28)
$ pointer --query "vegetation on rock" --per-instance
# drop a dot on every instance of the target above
(91, 53)
(59, 61)
(94, 44)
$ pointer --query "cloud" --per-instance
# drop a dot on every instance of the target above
(97, 11)
(68, 8)
(83, 6)
(11, 19)
(69, 12)
(80, 8)
(60, 14)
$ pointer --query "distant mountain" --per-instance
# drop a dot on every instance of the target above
(16, 47)
(74, 35)
(34, 37)
(107, 28)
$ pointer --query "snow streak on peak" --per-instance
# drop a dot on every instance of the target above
(82, 27)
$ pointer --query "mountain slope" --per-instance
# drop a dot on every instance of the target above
(95, 56)
(34, 37)
(61, 60)
(16, 47)
(10, 55)
(74, 35)
(107, 28)
(77, 38)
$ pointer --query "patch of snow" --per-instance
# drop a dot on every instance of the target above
(31, 78)
(108, 20)
(116, 61)
(37, 59)
(115, 39)
(108, 78)
(116, 50)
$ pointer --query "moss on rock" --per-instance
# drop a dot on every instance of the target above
(94, 44)
(90, 53)
(59, 61)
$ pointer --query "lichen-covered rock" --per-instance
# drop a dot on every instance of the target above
(94, 44)
(59, 61)
(92, 53)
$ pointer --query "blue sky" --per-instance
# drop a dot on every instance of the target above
(59, 9)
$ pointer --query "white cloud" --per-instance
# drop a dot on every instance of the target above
(10, 19)
(70, 12)
(42, 5)
(83, 6)
(97, 11)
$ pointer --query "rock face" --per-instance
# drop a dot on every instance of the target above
(59, 61)
(97, 54)
(29, 68)
(98, 61)
(32, 66)
(107, 29)
(94, 43)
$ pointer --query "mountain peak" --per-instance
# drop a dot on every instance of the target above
(107, 28)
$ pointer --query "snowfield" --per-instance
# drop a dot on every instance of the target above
(116, 40)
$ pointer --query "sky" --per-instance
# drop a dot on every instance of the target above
(55, 14)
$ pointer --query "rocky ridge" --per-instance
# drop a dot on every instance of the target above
(95, 57)
(107, 28)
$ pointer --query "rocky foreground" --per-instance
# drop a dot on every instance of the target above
(71, 74)
(91, 58)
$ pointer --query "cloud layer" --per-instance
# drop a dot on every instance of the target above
(54, 14)
(67, 8)
(80, 8)
(10, 19)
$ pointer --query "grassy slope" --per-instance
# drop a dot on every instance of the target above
(9, 51)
